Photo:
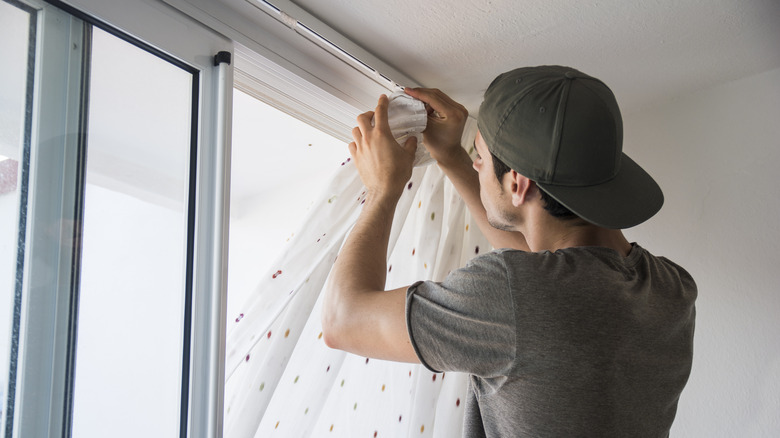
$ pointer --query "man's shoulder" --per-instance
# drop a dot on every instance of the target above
(589, 261)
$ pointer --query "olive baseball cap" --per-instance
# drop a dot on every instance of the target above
(562, 129)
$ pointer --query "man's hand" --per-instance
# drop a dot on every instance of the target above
(442, 137)
(384, 166)
(446, 120)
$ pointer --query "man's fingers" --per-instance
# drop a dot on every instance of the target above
(380, 115)
(371, 119)
(356, 135)
(364, 122)
(410, 145)
(434, 98)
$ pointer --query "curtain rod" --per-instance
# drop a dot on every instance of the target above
(310, 34)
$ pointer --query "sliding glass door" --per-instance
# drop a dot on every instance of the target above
(106, 237)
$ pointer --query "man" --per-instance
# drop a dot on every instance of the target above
(569, 330)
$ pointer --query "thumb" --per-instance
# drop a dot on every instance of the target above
(410, 145)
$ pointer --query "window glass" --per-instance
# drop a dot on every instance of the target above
(132, 292)
(15, 28)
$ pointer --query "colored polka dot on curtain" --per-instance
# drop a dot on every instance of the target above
(281, 378)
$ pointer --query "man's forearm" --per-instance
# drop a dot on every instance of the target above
(361, 266)
(363, 259)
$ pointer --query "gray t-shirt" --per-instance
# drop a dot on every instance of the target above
(581, 342)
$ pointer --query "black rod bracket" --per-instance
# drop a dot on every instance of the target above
(221, 57)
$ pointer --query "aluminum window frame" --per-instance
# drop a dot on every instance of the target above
(45, 309)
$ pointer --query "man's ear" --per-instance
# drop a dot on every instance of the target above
(520, 188)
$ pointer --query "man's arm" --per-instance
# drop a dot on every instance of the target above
(446, 120)
(359, 315)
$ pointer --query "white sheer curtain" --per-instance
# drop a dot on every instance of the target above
(281, 379)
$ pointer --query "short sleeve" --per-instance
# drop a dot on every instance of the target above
(465, 323)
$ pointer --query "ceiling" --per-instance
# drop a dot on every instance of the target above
(648, 51)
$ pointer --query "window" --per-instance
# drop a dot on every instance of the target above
(133, 291)
(276, 159)
(17, 33)
(110, 248)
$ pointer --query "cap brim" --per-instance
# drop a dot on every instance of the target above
(627, 200)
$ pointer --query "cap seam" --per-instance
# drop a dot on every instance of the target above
(506, 114)
(560, 118)
(501, 123)
(619, 156)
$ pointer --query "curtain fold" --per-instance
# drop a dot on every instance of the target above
(281, 379)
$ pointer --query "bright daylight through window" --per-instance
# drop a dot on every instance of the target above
(131, 309)
(15, 51)
(279, 167)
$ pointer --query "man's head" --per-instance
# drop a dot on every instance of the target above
(563, 130)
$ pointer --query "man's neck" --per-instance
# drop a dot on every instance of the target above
(545, 232)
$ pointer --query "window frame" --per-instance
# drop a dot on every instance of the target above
(42, 353)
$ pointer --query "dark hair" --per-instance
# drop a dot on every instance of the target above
(555, 208)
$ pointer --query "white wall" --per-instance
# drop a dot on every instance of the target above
(716, 154)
